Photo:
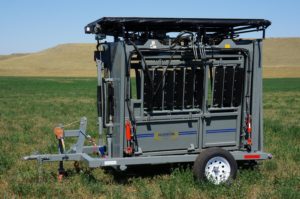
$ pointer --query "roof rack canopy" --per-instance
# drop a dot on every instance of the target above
(118, 26)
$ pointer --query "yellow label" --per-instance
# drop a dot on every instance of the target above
(175, 135)
(227, 46)
(156, 136)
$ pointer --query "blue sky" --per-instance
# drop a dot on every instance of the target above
(33, 25)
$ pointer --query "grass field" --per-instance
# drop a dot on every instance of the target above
(31, 107)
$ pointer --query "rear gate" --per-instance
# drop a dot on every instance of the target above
(222, 118)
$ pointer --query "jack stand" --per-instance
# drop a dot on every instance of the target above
(40, 169)
(61, 171)
(59, 133)
(77, 166)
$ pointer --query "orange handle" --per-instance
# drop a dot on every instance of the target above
(128, 130)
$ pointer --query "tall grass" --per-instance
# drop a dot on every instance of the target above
(31, 107)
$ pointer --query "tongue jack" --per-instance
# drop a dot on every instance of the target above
(59, 133)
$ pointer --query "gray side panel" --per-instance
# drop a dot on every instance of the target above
(117, 73)
(167, 135)
(256, 97)
(221, 131)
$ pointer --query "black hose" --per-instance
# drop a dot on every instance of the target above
(145, 69)
(164, 74)
(179, 36)
(176, 40)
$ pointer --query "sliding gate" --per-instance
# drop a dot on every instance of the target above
(185, 104)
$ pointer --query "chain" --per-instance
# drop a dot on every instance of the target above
(69, 124)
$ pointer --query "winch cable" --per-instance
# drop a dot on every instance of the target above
(91, 141)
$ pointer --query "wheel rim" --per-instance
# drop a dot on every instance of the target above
(217, 170)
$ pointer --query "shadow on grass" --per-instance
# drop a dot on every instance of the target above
(145, 171)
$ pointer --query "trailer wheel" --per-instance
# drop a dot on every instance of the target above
(215, 165)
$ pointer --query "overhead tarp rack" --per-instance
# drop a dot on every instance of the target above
(116, 26)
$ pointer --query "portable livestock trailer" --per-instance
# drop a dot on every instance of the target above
(173, 90)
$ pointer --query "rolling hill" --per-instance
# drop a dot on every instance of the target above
(62, 60)
(280, 58)
(3, 57)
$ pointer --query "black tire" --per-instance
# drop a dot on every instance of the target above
(208, 154)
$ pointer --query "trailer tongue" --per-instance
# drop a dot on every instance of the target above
(173, 90)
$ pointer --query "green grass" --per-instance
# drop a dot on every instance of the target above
(31, 107)
(282, 85)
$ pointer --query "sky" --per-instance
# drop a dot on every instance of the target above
(34, 25)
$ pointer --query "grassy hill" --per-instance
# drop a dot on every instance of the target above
(280, 58)
(281, 52)
(62, 60)
(3, 57)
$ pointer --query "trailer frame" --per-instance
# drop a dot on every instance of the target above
(199, 91)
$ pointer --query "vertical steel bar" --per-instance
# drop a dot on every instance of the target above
(183, 87)
(99, 78)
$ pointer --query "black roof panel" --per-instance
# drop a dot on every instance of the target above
(117, 25)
